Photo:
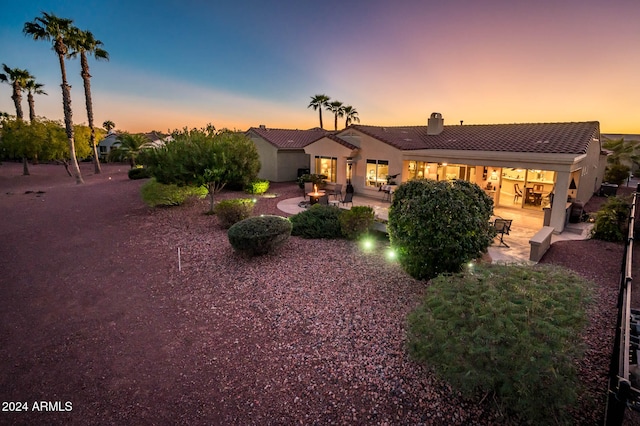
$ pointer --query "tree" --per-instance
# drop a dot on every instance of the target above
(108, 125)
(204, 157)
(338, 111)
(33, 88)
(49, 27)
(83, 43)
(351, 114)
(317, 103)
(18, 79)
(129, 146)
(437, 226)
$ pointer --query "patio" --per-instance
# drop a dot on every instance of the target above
(525, 224)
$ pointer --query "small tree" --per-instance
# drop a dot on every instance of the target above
(437, 226)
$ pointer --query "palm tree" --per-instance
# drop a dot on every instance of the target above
(129, 147)
(108, 125)
(17, 78)
(338, 111)
(49, 27)
(33, 88)
(317, 103)
(351, 114)
(84, 43)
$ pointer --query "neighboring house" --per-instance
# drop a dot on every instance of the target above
(522, 166)
(105, 146)
(282, 152)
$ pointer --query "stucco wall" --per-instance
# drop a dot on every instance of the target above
(373, 149)
(326, 147)
(268, 159)
(288, 164)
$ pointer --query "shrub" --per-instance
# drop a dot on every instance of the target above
(319, 221)
(138, 173)
(437, 226)
(357, 221)
(611, 220)
(233, 211)
(158, 194)
(616, 173)
(257, 187)
(259, 235)
(511, 331)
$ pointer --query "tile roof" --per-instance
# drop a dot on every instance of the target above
(289, 139)
(547, 138)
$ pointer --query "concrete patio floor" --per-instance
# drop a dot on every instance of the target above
(525, 224)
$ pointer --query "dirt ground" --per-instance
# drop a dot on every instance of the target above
(97, 325)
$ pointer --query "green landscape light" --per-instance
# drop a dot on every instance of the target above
(367, 244)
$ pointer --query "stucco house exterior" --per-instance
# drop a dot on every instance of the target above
(282, 151)
(524, 166)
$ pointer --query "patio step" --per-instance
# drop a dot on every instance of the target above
(582, 228)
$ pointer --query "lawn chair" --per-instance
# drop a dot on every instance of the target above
(502, 227)
(348, 198)
(324, 200)
(337, 190)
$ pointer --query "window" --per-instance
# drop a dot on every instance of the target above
(327, 166)
(376, 172)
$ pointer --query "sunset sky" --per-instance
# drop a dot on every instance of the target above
(243, 63)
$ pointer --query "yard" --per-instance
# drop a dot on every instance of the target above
(94, 310)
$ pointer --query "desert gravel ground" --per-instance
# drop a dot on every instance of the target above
(95, 311)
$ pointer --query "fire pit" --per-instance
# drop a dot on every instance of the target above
(315, 195)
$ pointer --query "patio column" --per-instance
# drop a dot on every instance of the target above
(559, 208)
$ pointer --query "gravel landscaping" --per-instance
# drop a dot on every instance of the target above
(95, 309)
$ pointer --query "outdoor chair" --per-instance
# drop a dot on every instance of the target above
(502, 227)
(337, 190)
(517, 192)
(348, 198)
(324, 200)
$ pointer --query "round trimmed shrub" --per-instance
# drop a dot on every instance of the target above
(437, 226)
(319, 221)
(157, 194)
(357, 221)
(138, 173)
(257, 187)
(233, 211)
(259, 235)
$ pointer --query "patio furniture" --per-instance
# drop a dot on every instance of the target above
(348, 198)
(324, 200)
(502, 227)
(337, 190)
(308, 187)
(517, 192)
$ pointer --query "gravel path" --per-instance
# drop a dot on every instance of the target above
(95, 311)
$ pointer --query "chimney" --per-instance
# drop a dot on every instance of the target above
(435, 124)
(263, 127)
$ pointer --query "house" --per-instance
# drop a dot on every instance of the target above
(111, 141)
(537, 166)
(282, 151)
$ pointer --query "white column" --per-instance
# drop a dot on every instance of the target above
(559, 208)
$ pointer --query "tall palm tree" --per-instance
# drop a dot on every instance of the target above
(33, 88)
(17, 78)
(49, 27)
(108, 125)
(338, 111)
(351, 114)
(83, 43)
(317, 103)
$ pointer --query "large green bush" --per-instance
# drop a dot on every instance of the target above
(157, 194)
(616, 173)
(233, 211)
(357, 221)
(612, 220)
(513, 332)
(259, 235)
(319, 221)
(437, 226)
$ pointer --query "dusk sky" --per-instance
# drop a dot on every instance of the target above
(241, 63)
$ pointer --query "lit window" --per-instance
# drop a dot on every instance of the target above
(376, 173)
(327, 166)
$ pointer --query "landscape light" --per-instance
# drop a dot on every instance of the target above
(367, 244)
(391, 254)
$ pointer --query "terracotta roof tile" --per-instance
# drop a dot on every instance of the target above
(289, 139)
(549, 138)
